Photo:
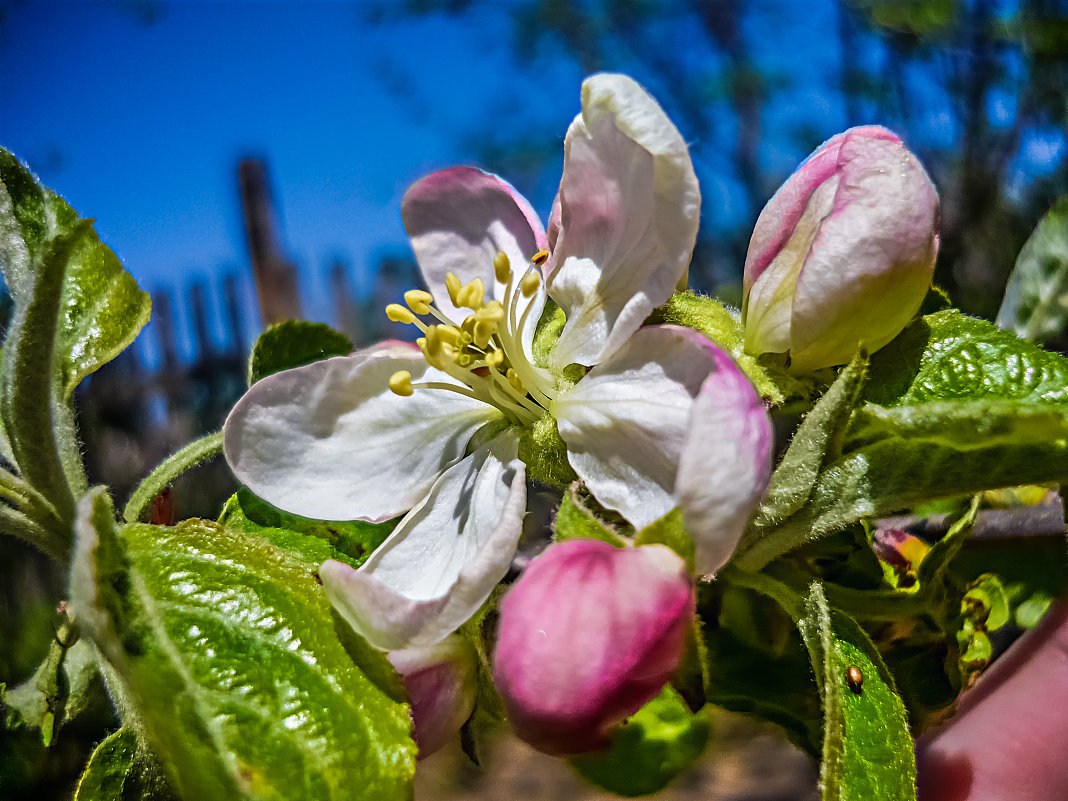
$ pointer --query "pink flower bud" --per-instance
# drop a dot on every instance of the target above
(843, 253)
(442, 682)
(587, 636)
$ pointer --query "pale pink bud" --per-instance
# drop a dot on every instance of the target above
(442, 682)
(587, 636)
(843, 253)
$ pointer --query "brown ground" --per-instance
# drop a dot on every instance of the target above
(748, 761)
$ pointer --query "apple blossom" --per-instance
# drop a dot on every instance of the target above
(843, 253)
(587, 636)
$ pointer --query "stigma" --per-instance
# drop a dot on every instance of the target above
(484, 351)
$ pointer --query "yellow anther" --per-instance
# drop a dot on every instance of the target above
(418, 300)
(433, 341)
(467, 328)
(540, 257)
(492, 312)
(471, 295)
(464, 359)
(495, 358)
(453, 285)
(449, 334)
(399, 314)
(502, 269)
(529, 285)
(400, 383)
(483, 333)
(514, 380)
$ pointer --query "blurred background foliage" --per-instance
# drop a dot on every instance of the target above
(977, 88)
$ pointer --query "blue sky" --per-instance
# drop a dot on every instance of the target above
(141, 125)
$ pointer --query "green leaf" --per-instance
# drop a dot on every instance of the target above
(173, 466)
(227, 648)
(1036, 298)
(350, 541)
(294, 343)
(817, 442)
(575, 519)
(950, 356)
(654, 745)
(868, 754)
(121, 770)
(76, 308)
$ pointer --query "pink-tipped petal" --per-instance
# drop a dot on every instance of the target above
(726, 464)
(443, 559)
(458, 220)
(625, 423)
(629, 211)
(587, 636)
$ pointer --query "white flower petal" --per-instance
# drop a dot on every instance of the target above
(443, 560)
(330, 440)
(625, 423)
(629, 211)
(726, 464)
(459, 219)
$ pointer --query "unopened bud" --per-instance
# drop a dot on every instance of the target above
(442, 682)
(587, 636)
(843, 253)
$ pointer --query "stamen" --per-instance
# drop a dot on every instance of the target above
(471, 295)
(515, 380)
(418, 300)
(400, 383)
(399, 314)
(453, 285)
(540, 257)
(529, 285)
(502, 268)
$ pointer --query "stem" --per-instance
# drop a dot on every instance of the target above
(45, 539)
(866, 604)
(780, 592)
(173, 466)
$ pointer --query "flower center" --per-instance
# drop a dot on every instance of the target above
(484, 351)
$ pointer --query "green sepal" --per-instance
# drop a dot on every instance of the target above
(294, 343)
(670, 530)
(575, 520)
(348, 541)
(655, 744)
(723, 325)
(488, 715)
(868, 752)
(1036, 298)
(121, 769)
(230, 661)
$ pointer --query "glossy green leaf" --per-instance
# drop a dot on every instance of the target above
(120, 769)
(1036, 298)
(817, 442)
(349, 541)
(950, 356)
(654, 745)
(229, 652)
(294, 343)
(867, 749)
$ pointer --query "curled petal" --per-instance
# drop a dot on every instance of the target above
(629, 208)
(324, 440)
(725, 466)
(626, 421)
(458, 220)
(443, 559)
